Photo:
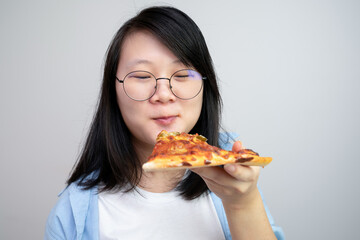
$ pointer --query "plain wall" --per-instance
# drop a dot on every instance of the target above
(290, 78)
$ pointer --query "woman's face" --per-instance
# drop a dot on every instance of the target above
(163, 111)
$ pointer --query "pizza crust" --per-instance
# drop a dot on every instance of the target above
(177, 163)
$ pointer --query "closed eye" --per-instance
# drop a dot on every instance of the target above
(141, 77)
(181, 76)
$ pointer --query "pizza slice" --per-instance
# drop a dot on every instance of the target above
(174, 150)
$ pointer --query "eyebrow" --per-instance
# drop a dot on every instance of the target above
(147, 62)
(138, 62)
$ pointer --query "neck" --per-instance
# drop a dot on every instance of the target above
(158, 181)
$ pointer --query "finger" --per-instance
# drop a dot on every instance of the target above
(237, 146)
(215, 174)
(242, 173)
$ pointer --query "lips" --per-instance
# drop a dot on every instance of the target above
(165, 120)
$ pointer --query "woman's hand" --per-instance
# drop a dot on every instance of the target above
(235, 184)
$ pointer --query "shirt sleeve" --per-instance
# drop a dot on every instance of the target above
(276, 229)
(226, 140)
(60, 222)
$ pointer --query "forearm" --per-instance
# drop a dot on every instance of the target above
(249, 221)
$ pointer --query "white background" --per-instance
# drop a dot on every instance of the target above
(290, 78)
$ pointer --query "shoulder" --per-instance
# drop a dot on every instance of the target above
(60, 217)
(227, 139)
(73, 201)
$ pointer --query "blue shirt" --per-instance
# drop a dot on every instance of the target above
(76, 215)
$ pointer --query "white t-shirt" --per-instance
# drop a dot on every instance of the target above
(140, 215)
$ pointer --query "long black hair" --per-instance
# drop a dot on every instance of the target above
(108, 155)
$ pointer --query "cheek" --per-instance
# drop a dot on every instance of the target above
(197, 107)
(134, 113)
(198, 103)
(193, 110)
(126, 107)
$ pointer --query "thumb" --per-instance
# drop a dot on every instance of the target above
(237, 146)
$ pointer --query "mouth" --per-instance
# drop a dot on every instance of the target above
(165, 120)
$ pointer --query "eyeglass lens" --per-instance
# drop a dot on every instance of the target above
(141, 85)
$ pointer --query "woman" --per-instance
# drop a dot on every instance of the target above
(143, 92)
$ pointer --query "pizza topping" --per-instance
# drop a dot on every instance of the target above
(186, 164)
(242, 160)
(248, 151)
(207, 162)
(201, 138)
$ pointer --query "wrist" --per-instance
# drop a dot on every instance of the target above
(247, 219)
(251, 200)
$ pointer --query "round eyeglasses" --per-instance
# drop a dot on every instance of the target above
(141, 85)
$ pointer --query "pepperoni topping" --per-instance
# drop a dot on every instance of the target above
(186, 164)
(248, 151)
(242, 160)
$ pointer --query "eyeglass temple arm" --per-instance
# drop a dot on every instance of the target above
(121, 81)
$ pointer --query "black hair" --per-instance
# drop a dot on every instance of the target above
(108, 154)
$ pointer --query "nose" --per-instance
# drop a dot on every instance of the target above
(163, 92)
